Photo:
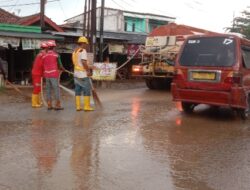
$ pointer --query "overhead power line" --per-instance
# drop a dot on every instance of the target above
(125, 2)
(64, 13)
(117, 4)
(13, 6)
(26, 4)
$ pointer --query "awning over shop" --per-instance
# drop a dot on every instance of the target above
(29, 36)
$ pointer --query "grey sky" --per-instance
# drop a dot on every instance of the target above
(208, 14)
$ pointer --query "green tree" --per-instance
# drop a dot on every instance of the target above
(241, 24)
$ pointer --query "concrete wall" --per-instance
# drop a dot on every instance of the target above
(113, 20)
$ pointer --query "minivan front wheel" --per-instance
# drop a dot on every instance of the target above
(243, 113)
(187, 107)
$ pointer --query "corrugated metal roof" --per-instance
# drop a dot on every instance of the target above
(174, 29)
(132, 38)
(69, 34)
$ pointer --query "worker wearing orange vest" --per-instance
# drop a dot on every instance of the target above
(51, 73)
(37, 72)
(82, 73)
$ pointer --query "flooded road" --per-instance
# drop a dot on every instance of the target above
(139, 141)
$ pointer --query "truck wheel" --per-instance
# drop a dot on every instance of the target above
(187, 107)
(149, 83)
(167, 83)
(158, 83)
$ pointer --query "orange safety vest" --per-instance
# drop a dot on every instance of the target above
(77, 66)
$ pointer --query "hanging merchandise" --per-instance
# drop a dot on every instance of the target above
(31, 44)
(14, 42)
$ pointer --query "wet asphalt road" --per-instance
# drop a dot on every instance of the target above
(139, 141)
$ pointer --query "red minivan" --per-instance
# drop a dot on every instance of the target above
(214, 70)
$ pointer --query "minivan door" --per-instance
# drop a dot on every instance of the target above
(207, 63)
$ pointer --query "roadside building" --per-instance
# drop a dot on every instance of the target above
(18, 46)
(20, 39)
(124, 31)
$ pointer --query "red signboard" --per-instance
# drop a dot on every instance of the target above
(132, 48)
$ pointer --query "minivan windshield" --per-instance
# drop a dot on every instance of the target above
(209, 51)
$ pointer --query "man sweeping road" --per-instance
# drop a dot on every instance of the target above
(82, 72)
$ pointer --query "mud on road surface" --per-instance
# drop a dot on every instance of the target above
(139, 141)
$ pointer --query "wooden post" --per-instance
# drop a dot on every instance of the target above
(42, 10)
(84, 19)
(101, 31)
(93, 29)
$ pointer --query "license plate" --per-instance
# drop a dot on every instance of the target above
(203, 76)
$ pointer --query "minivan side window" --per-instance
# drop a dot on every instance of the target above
(246, 56)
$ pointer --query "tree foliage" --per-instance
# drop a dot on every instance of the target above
(241, 24)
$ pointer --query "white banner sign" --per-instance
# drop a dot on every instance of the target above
(104, 71)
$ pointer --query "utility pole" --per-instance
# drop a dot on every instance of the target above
(88, 24)
(93, 28)
(42, 10)
(101, 31)
(84, 18)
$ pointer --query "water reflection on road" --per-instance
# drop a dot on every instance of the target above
(140, 140)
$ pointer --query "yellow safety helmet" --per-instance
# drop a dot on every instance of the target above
(83, 39)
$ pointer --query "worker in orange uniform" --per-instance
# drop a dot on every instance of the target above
(82, 72)
(37, 72)
(51, 65)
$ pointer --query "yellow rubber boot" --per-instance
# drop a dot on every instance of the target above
(87, 104)
(78, 103)
(34, 101)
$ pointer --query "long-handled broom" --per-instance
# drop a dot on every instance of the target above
(17, 89)
(94, 94)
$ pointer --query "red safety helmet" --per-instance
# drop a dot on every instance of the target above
(44, 45)
(51, 43)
